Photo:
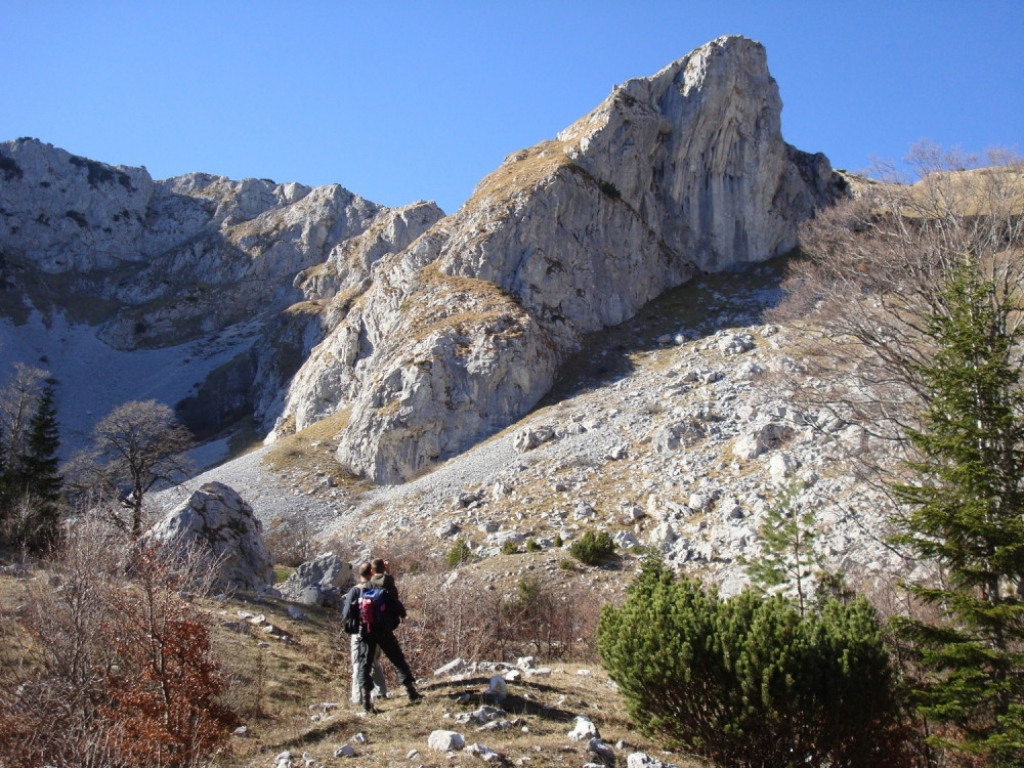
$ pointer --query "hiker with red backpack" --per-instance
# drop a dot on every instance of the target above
(380, 686)
(374, 611)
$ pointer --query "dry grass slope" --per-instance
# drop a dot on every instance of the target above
(294, 696)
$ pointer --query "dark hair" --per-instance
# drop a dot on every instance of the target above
(378, 565)
(365, 570)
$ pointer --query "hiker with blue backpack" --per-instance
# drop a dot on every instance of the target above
(374, 611)
(380, 686)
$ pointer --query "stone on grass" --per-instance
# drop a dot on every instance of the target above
(445, 741)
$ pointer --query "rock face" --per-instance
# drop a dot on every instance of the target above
(322, 581)
(419, 334)
(463, 332)
(217, 521)
(220, 248)
(156, 264)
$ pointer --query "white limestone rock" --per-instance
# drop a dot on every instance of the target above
(445, 741)
(217, 521)
(461, 333)
(321, 581)
(583, 730)
(764, 438)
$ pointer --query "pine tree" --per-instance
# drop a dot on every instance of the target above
(747, 680)
(787, 547)
(964, 514)
(38, 479)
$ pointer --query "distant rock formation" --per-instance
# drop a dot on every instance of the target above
(158, 263)
(463, 332)
(216, 521)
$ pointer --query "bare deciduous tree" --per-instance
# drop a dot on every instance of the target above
(18, 400)
(134, 447)
(872, 275)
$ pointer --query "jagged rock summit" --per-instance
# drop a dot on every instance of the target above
(158, 264)
(463, 332)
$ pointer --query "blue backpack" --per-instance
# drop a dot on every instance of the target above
(374, 611)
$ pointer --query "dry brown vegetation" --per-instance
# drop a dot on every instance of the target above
(870, 280)
(310, 453)
(521, 170)
(294, 694)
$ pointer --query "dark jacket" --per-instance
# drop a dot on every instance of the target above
(395, 610)
(350, 610)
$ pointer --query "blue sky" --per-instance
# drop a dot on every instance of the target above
(401, 101)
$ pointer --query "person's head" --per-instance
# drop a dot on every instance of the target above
(379, 566)
(365, 571)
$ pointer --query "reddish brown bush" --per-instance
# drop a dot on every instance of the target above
(119, 670)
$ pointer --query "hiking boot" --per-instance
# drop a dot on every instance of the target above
(367, 702)
(414, 695)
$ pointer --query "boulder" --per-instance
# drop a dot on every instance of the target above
(764, 438)
(601, 752)
(453, 667)
(584, 730)
(322, 581)
(486, 754)
(531, 437)
(218, 523)
(497, 690)
(445, 741)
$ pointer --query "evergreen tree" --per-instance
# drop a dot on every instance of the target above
(38, 479)
(964, 512)
(748, 681)
(787, 547)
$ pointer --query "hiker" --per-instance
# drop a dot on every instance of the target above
(381, 578)
(381, 689)
(381, 636)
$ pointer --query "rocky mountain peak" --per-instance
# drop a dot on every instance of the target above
(681, 172)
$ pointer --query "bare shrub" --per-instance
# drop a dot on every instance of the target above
(120, 669)
(412, 555)
(870, 278)
(464, 619)
(164, 693)
(447, 621)
(544, 620)
(292, 541)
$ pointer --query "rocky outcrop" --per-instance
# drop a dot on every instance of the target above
(69, 215)
(419, 335)
(321, 581)
(155, 264)
(216, 522)
(463, 332)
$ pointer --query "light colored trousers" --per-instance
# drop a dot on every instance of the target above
(380, 689)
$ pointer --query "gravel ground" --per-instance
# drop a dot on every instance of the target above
(271, 497)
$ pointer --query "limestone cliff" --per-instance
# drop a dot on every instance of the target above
(155, 264)
(176, 258)
(463, 332)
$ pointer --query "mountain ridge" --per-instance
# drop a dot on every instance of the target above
(429, 332)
